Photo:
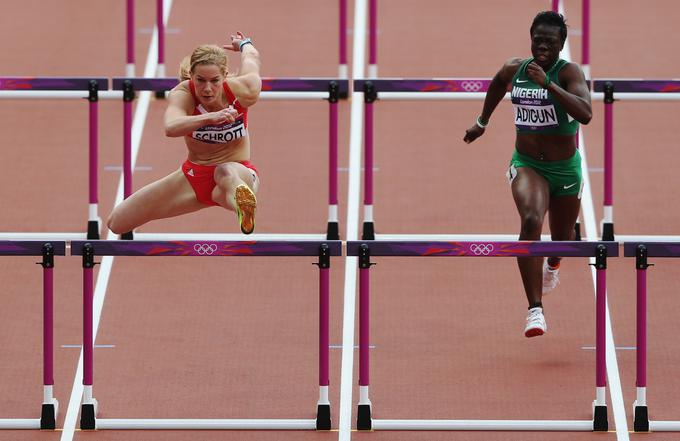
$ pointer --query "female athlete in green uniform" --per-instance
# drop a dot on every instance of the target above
(550, 97)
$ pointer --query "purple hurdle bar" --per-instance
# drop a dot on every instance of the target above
(600, 250)
(322, 249)
(336, 89)
(47, 250)
(641, 251)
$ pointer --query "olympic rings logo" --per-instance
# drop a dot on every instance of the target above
(471, 86)
(205, 249)
(481, 249)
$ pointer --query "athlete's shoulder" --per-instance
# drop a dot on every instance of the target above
(570, 71)
(509, 69)
(515, 62)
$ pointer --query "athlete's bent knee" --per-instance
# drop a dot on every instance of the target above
(225, 171)
(532, 223)
(115, 224)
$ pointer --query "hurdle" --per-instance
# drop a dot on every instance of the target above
(626, 89)
(321, 249)
(50, 405)
(331, 89)
(402, 89)
(642, 251)
(66, 88)
(599, 250)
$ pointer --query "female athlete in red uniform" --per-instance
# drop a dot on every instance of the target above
(210, 110)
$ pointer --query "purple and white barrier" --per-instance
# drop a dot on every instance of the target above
(88, 250)
(599, 250)
(330, 89)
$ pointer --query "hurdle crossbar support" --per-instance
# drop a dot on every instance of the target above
(50, 406)
(93, 199)
(365, 249)
(370, 95)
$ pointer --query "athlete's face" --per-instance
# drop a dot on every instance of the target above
(208, 80)
(546, 45)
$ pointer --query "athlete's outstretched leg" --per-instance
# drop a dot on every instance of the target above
(167, 197)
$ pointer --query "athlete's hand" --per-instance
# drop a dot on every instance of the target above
(473, 133)
(227, 115)
(235, 42)
(536, 73)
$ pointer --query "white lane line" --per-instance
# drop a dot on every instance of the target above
(353, 196)
(107, 261)
(588, 208)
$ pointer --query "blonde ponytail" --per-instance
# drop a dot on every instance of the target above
(185, 68)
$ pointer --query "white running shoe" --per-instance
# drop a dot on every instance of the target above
(551, 277)
(535, 323)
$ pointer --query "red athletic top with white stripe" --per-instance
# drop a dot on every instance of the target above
(221, 133)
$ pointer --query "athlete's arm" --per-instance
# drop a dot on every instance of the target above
(179, 120)
(574, 96)
(248, 84)
(497, 89)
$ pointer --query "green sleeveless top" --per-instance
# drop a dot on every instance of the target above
(535, 109)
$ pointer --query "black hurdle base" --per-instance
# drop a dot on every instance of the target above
(600, 423)
(332, 231)
(323, 417)
(641, 419)
(92, 230)
(368, 231)
(608, 231)
(87, 417)
(364, 417)
(48, 417)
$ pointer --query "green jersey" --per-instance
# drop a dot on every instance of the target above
(536, 110)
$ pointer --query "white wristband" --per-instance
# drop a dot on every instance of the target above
(479, 123)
